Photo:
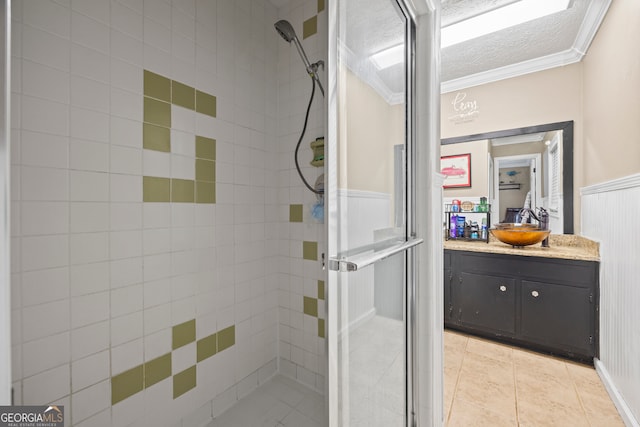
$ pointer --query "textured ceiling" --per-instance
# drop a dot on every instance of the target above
(372, 25)
(535, 39)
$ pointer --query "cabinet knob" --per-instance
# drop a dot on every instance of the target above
(503, 288)
(535, 294)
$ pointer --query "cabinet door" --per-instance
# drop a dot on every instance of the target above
(448, 307)
(486, 303)
(558, 316)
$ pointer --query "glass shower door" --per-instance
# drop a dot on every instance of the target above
(371, 214)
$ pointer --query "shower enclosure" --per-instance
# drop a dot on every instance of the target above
(380, 340)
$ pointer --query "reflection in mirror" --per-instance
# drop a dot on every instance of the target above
(514, 168)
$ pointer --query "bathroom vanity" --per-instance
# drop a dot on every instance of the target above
(545, 299)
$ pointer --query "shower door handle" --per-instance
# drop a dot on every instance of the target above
(358, 262)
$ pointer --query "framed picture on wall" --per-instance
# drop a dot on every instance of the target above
(456, 170)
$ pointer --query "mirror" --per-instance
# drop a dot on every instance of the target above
(507, 161)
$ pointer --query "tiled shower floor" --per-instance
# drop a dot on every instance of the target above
(279, 402)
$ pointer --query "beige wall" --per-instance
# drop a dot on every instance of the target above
(479, 168)
(538, 98)
(548, 96)
(612, 97)
(600, 94)
(371, 128)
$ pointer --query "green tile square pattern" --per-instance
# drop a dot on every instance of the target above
(157, 370)
(205, 170)
(126, 384)
(183, 334)
(295, 213)
(159, 94)
(183, 95)
(157, 112)
(309, 27)
(207, 347)
(310, 306)
(321, 289)
(205, 192)
(157, 86)
(156, 138)
(205, 103)
(156, 189)
(310, 250)
(184, 381)
(182, 190)
(205, 148)
(321, 328)
(226, 338)
(320, 5)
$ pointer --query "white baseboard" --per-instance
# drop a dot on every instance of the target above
(622, 407)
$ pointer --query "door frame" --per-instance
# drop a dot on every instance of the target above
(5, 200)
(537, 159)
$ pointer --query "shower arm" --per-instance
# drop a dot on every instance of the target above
(312, 69)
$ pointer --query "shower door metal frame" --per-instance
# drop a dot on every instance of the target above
(5, 202)
(336, 265)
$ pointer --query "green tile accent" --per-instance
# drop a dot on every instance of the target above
(320, 5)
(321, 328)
(184, 381)
(126, 384)
(205, 148)
(183, 95)
(310, 306)
(321, 289)
(156, 138)
(207, 347)
(205, 170)
(182, 190)
(183, 334)
(205, 103)
(157, 112)
(226, 338)
(295, 213)
(309, 27)
(157, 86)
(156, 189)
(310, 250)
(157, 370)
(205, 192)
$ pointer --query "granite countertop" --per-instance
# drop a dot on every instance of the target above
(567, 246)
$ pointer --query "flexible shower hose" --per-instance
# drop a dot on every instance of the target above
(304, 129)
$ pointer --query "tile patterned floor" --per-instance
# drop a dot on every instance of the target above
(491, 384)
(486, 384)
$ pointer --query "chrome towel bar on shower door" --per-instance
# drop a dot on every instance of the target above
(358, 262)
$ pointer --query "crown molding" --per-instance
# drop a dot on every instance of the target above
(593, 18)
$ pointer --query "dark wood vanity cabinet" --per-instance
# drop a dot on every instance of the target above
(547, 304)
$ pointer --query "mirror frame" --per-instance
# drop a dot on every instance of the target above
(567, 158)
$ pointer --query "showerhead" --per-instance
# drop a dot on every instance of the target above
(285, 29)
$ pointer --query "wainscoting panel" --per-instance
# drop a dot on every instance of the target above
(611, 216)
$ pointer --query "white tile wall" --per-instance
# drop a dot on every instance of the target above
(103, 276)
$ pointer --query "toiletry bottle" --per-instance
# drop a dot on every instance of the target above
(452, 226)
(484, 229)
